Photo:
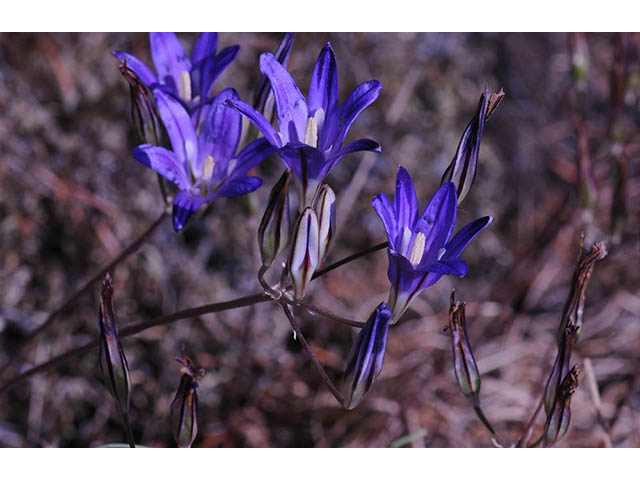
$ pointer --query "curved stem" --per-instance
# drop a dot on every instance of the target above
(136, 328)
(310, 353)
(127, 429)
(87, 286)
(528, 429)
(314, 309)
(350, 258)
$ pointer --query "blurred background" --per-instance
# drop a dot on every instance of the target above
(559, 156)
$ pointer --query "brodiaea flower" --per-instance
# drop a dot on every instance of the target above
(189, 80)
(420, 250)
(203, 166)
(311, 131)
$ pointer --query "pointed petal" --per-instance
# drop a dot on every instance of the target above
(382, 205)
(363, 96)
(206, 45)
(239, 186)
(144, 73)
(258, 120)
(179, 128)
(168, 57)
(464, 236)
(437, 220)
(362, 145)
(263, 89)
(405, 201)
(252, 155)
(164, 162)
(184, 205)
(214, 67)
(449, 267)
(291, 106)
(221, 132)
(305, 161)
(323, 91)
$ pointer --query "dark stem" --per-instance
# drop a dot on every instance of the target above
(136, 328)
(314, 309)
(86, 287)
(350, 258)
(528, 429)
(483, 419)
(127, 429)
(310, 353)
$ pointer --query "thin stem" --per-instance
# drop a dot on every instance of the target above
(310, 353)
(86, 287)
(127, 429)
(136, 328)
(314, 309)
(497, 440)
(350, 258)
(528, 429)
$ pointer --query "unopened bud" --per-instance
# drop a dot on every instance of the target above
(143, 110)
(366, 357)
(184, 421)
(464, 363)
(113, 362)
(304, 252)
(560, 368)
(275, 226)
(326, 211)
(559, 417)
(462, 169)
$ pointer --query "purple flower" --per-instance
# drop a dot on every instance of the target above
(189, 80)
(205, 165)
(420, 250)
(311, 131)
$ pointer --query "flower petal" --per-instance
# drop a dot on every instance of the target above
(206, 45)
(461, 239)
(455, 266)
(239, 186)
(184, 205)
(382, 205)
(263, 92)
(168, 57)
(363, 96)
(258, 120)
(164, 162)
(437, 220)
(179, 127)
(214, 67)
(405, 201)
(306, 162)
(291, 106)
(144, 73)
(323, 91)
(252, 155)
(221, 131)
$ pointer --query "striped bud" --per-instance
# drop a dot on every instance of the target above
(558, 418)
(366, 357)
(464, 363)
(560, 368)
(113, 362)
(326, 210)
(304, 252)
(273, 233)
(184, 420)
(462, 169)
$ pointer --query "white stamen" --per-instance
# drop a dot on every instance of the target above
(406, 239)
(441, 252)
(319, 116)
(417, 249)
(207, 170)
(311, 133)
(189, 150)
(184, 89)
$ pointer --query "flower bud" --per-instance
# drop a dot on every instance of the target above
(113, 362)
(560, 369)
(462, 169)
(559, 417)
(326, 210)
(273, 233)
(184, 421)
(304, 252)
(143, 111)
(263, 95)
(464, 363)
(366, 357)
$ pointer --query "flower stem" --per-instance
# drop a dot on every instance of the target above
(136, 328)
(310, 353)
(350, 258)
(127, 429)
(314, 309)
(86, 287)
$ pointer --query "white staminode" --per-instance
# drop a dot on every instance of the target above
(417, 249)
(184, 89)
(207, 170)
(311, 133)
